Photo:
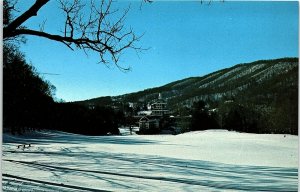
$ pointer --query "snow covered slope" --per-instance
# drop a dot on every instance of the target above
(249, 82)
(215, 160)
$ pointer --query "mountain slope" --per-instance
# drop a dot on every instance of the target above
(259, 82)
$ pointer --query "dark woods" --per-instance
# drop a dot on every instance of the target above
(79, 119)
(28, 103)
(280, 117)
(26, 97)
(202, 118)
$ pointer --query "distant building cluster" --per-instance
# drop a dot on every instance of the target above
(157, 108)
(152, 117)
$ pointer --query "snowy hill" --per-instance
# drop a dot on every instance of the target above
(215, 160)
(259, 82)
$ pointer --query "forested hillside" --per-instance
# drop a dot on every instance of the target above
(258, 97)
(268, 88)
(261, 81)
(28, 103)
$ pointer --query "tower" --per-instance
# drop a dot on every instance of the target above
(159, 96)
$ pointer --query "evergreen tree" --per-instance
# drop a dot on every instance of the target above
(201, 118)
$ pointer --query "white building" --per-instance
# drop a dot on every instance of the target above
(159, 108)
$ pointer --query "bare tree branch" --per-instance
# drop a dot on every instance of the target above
(7, 9)
(95, 30)
(32, 11)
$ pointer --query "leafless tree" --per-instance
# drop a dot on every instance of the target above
(89, 26)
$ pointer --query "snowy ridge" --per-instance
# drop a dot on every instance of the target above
(225, 83)
(214, 160)
(272, 70)
(222, 77)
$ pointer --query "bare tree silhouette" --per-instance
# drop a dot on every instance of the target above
(87, 26)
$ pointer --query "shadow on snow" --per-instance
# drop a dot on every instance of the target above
(213, 176)
(76, 139)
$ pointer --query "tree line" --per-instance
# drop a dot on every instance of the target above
(28, 103)
(280, 117)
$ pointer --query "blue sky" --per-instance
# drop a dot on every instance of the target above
(185, 39)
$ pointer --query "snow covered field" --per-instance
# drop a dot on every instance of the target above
(197, 161)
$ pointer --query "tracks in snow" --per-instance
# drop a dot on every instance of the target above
(212, 176)
(61, 185)
(190, 182)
